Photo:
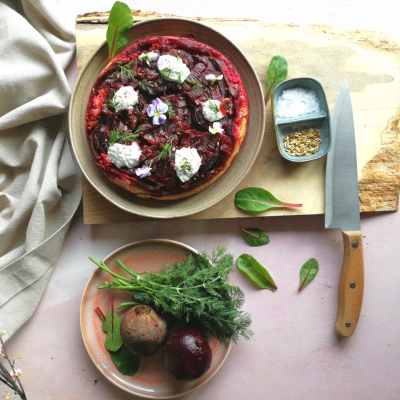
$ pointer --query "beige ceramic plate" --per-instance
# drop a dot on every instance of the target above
(219, 189)
(152, 380)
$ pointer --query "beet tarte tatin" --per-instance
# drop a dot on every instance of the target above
(166, 117)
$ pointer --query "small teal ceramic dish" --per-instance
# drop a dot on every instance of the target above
(301, 119)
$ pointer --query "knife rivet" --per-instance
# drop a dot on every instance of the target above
(354, 244)
(348, 324)
(352, 285)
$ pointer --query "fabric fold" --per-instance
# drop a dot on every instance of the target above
(40, 188)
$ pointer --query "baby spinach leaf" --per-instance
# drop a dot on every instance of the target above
(111, 326)
(125, 361)
(255, 271)
(277, 73)
(258, 199)
(308, 272)
(120, 22)
(254, 236)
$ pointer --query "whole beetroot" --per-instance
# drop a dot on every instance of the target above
(187, 354)
(143, 331)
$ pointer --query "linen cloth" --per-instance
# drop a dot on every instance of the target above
(39, 186)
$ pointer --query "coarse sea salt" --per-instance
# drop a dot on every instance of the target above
(297, 101)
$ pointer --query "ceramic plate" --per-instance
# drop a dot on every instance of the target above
(219, 189)
(152, 380)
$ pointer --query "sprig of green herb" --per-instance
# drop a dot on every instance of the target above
(195, 82)
(170, 111)
(120, 136)
(146, 85)
(186, 167)
(213, 107)
(194, 291)
(126, 71)
(165, 74)
(166, 151)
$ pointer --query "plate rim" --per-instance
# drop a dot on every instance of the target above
(174, 244)
(146, 208)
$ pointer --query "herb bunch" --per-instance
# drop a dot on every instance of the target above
(194, 291)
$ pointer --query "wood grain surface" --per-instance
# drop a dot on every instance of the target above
(368, 60)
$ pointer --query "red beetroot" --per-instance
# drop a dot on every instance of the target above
(187, 354)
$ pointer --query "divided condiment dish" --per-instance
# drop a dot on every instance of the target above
(285, 124)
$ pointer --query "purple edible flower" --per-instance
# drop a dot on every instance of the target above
(157, 110)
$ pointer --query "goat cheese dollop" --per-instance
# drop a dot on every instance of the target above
(211, 110)
(123, 155)
(124, 98)
(172, 68)
(187, 163)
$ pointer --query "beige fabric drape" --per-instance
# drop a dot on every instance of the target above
(39, 186)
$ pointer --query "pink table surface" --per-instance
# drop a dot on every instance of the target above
(294, 353)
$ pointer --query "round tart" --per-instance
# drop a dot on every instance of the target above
(166, 117)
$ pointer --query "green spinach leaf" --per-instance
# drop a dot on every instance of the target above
(111, 326)
(308, 272)
(254, 236)
(125, 361)
(258, 199)
(255, 271)
(120, 22)
(277, 73)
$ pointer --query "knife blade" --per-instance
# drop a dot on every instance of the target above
(342, 211)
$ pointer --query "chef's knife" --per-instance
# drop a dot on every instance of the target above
(342, 211)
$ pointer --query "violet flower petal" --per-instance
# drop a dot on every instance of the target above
(151, 110)
(143, 172)
(162, 107)
(159, 119)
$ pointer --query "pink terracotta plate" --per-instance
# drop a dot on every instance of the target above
(152, 380)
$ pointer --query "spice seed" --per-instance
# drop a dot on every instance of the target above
(303, 143)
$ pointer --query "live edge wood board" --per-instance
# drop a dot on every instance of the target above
(368, 60)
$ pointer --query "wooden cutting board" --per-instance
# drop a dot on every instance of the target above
(369, 61)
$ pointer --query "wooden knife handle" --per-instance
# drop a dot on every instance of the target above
(351, 285)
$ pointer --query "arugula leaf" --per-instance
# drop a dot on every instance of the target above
(254, 237)
(255, 271)
(111, 326)
(120, 22)
(308, 272)
(277, 73)
(258, 199)
(125, 361)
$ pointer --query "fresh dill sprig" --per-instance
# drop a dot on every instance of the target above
(195, 82)
(146, 85)
(194, 291)
(214, 108)
(120, 136)
(126, 71)
(186, 167)
(170, 111)
(166, 151)
(165, 74)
